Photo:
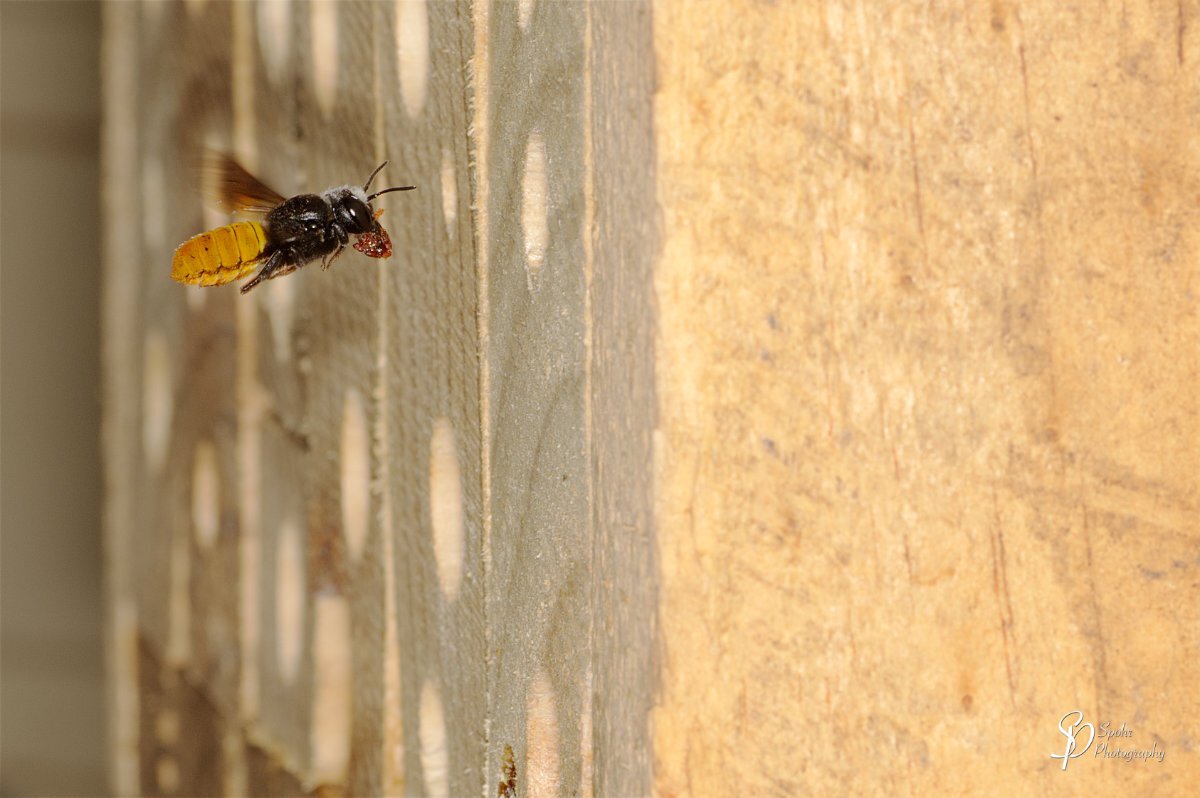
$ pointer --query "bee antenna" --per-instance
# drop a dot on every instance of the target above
(386, 190)
(378, 169)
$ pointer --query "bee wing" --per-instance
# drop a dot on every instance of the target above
(231, 188)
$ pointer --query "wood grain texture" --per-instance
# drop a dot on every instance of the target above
(539, 542)
(622, 227)
(927, 385)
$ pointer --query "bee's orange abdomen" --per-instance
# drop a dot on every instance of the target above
(221, 255)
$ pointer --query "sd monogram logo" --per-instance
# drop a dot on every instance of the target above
(1071, 732)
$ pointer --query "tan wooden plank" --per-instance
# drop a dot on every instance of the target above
(927, 392)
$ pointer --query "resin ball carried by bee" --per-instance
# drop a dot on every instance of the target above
(292, 233)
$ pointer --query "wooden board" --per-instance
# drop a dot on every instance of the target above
(928, 396)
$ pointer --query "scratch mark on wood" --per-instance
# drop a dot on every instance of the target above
(832, 338)
(1003, 597)
(875, 558)
(1029, 129)
(1033, 163)
(1181, 28)
(884, 436)
(829, 402)
(853, 641)
(691, 510)
(916, 170)
(908, 556)
(792, 592)
(743, 707)
(1037, 193)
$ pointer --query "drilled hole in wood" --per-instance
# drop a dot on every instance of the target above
(534, 223)
(356, 472)
(333, 688)
(166, 727)
(434, 759)
(289, 599)
(274, 34)
(445, 507)
(166, 773)
(206, 494)
(281, 307)
(323, 17)
(156, 398)
(233, 751)
(214, 215)
(541, 739)
(524, 13)
(449, 190)
(154, 210)
(152, 12)
(412, 53)
(179, 633)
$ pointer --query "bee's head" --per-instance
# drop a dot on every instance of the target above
(352, 205)
(352, 210)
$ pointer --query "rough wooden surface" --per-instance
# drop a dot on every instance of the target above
(538, 536)
(927, 378)
(622, 229)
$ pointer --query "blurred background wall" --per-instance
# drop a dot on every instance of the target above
(51, 686)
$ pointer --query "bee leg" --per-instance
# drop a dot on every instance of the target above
(274, 264)
(328, 261)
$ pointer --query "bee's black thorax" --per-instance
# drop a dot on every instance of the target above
(305, 228)
(311, 226)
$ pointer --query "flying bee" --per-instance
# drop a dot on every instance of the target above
(294, 231)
